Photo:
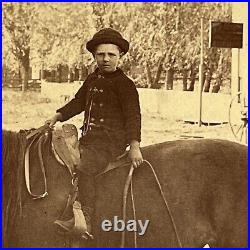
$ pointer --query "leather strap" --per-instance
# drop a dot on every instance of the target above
(37, 131)
(27, 166)
(80, 225)
(72, 196)
(121, 162)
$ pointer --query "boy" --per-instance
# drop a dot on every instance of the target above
(112, 119)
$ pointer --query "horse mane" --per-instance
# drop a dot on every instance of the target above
(13, 151)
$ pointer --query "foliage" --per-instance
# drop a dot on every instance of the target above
(18, 26)
(61, 31)
(162, 35)
(19, 20)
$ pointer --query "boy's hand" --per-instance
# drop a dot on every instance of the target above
(52, 121)
(135, 154)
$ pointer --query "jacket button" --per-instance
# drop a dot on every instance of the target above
(99, 76)
(101, 104)
(92, 119)
(101, 120)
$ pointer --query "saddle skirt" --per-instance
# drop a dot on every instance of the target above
(65, 145)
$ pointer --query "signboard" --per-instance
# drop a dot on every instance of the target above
(225, 35)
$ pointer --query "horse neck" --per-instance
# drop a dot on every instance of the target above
(13, 149)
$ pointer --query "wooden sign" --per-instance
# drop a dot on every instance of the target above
(225, 35)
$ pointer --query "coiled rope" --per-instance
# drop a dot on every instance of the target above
(128, 184)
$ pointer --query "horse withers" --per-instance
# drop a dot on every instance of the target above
(203, 181)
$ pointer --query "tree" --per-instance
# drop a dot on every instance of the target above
(18, 24)
(47, 34)
(190, 25)
(164, 37)
(169, 34)
(62, 30)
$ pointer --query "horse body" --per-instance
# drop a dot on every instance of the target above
(204, 182)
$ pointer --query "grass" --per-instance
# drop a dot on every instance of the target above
(30, 110)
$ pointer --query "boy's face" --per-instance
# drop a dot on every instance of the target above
(107, 57)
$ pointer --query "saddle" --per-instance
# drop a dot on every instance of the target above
(65, 146)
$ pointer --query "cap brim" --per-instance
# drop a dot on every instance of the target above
(122, 43)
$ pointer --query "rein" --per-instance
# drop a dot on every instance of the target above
(36, 135)
(125, 193)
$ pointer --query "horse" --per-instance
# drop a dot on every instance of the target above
(200, 197)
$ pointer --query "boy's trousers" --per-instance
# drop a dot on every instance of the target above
(96, 151)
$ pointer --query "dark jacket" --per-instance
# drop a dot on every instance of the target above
(111, 102)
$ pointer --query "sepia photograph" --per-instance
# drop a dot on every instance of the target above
(125, 124)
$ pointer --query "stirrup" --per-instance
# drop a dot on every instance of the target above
(77, 225)
(67, 225)
(69, 228)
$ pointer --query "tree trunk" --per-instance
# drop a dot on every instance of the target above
(204, 79)
(19, 76)
(76, 74)
(218, 80)
(70, 75)
(24, 68)
(58, 73)
(170, 79)
(53, 75)
(184, 80)
(207, 84)
(159, 70)
(25, 77)
(149, 75)
(42, 76)
(80, 73)
(192, 78)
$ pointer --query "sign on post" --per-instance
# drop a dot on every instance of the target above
(225, 35)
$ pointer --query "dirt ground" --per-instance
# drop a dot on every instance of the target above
(30, 110)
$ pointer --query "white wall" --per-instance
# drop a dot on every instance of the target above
(172, 104)
(183, 105)
(240, 57)
(59, 91)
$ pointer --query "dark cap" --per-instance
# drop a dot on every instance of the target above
(108, 35)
